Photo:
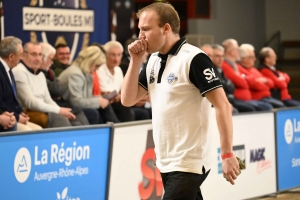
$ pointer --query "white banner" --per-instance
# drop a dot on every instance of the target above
(134, 177)
(64, 20)
(254, 142)
(133, 174)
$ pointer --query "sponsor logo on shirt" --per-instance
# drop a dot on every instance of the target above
(172, 79)
(210, 75)
(152, 77)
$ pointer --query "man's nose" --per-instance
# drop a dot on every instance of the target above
(142, 35)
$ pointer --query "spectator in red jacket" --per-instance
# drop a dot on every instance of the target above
(267, 60)
(259, 85)
(237, 74)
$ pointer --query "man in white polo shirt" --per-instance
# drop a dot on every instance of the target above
(182, 85)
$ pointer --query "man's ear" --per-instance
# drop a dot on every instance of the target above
(167, 28)
(10, 56)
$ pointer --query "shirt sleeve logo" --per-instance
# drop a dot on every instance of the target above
(210, 75)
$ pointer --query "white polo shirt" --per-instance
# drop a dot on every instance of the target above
(110, 82)
(180, 112)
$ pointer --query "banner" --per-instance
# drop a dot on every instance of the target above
(70, 164)
(288, 148)
(133, 173)
(254, 143)
(76, 23)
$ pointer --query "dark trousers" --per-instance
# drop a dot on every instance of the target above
(123, 113)
(140, 113)
(183, 185)
(275, 102)
(243, 106)
(260, 105)
(93, 116)
(108, 115)
(291, 103)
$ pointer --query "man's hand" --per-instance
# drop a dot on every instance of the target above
(116, 99)
(103, 102)
(137, 49)
(23, 118)
(7, 120)
(281, 77)
(67, 113)
(231, 169)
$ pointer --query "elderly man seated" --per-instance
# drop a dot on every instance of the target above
(34, 95)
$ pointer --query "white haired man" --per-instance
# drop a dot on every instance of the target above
(261, 85)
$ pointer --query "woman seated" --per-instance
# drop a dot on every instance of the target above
(80, 83)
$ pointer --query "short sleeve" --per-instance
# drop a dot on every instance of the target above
(143, 78)
(202, 74)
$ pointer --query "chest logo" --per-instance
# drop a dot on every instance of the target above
(172, 78)
(152, 77)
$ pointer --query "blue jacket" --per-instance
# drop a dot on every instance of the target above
(8, 101)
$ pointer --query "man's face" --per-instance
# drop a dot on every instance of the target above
(46, 63)
(208, 50)
(15, 59)
(114, 57)
(249, 61)
(33, 56)
(271, 59)
(151, 32)
(235, 52)
(63, 55)
(218, 57)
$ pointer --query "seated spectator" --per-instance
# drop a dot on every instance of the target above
(207, 48)
(126, 56)
(236, 73)
(34, 95)
(61, 59)
(7, 121)
(267, 60)
(10, 52)
(80, 83)
(217, 59)
(260, 86)
(57, 89)
(111, 78)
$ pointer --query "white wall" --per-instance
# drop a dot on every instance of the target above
(243, 20)
(283, 15)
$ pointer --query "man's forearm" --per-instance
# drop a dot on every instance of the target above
(224, 121)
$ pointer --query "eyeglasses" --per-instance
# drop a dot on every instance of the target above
(64, 54)
(34, 54)
(114, 55)
(251, 57)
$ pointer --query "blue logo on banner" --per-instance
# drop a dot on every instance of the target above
(63, 165)
(288, 148)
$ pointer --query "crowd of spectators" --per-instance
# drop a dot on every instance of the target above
(249, 85)
(40, 87)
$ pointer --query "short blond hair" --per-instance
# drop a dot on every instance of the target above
(166, 14)
(91, 55)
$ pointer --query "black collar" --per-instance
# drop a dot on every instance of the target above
(31, 70)
(174, 50)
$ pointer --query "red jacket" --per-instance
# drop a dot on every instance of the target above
(279, 84)
(241, 91)
(258, 89)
